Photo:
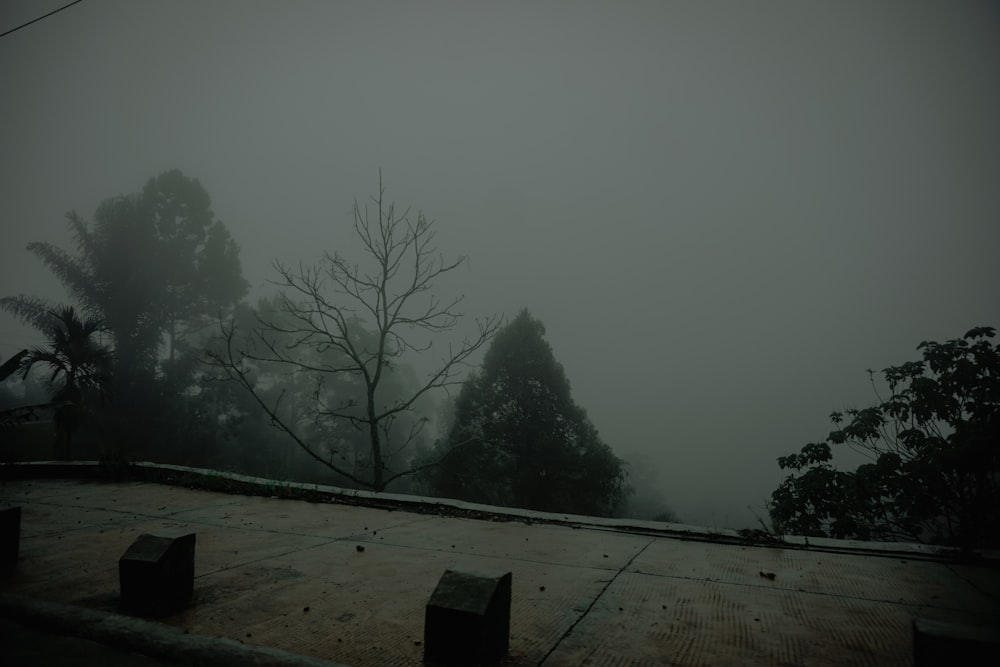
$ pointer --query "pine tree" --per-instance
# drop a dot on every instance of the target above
(518, 439)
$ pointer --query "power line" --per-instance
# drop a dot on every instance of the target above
(54, 11)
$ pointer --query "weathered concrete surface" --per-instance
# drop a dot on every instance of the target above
(288, 574)
(24, 646)
(51, 633)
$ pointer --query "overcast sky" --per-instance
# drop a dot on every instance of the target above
(723, 212)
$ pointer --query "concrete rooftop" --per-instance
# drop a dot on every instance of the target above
(348, 583)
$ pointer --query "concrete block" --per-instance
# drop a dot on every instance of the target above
(10, 536)
(156, 574)
(467, 620)
(938, 643)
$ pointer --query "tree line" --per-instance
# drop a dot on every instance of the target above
(160, 357)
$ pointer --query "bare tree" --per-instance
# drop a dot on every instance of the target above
(340, 319)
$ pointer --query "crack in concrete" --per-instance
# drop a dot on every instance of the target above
(593, 602)
(264, 558)
(326, 540)
(987, 594)
(364, 535)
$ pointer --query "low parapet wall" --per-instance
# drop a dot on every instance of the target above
(228, 482)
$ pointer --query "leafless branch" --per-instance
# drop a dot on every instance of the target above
(341, 318)
(235, 370)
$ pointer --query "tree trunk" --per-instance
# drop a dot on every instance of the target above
(63, 428)
(377, 477)
(173, 327)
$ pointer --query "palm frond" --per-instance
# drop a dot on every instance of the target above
(74, 358)
(83, 235)
(41, 355)
(12, 365)
(71, 271)
(31, 310)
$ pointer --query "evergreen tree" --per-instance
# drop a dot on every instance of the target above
(518, 439)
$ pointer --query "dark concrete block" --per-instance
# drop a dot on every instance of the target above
(10, 536)
(939, 643)
(467, 620)
(156, 574)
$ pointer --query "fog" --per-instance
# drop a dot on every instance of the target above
(724, 213)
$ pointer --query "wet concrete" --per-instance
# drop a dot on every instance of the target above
(348, 583)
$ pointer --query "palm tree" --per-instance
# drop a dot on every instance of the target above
(79, 365)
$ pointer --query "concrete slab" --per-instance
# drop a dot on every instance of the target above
(877, 578)
(347, 583)
(669, 621)
(293, 517)
(77, 563)
(537, 543)
(142, 499)
(980, 578)
(370, 604)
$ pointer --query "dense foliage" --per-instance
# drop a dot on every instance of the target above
(79, 371)
(518, 439)
(148, 272)
(934, 473)
(151, 267)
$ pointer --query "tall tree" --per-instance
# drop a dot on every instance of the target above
(518, 438)
(149, 266)
(197, 260)
(153, 267)
(934, 450)
(343, 322)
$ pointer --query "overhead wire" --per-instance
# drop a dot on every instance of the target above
(36, 20)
